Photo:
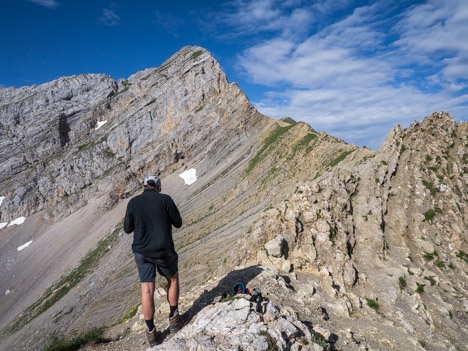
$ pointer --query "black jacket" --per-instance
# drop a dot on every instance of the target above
(150, 216)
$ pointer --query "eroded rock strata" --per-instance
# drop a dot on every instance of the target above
(358, 249)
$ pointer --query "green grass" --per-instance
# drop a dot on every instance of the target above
(428, 256)
(420, 288)
(288, 120)
(431, 280)
(440, 264)
(147, 76)
(270, 340)
(108, 153)
(430, 186)
(84, 146)
(196, 54)
(402, 282)
(67, 282)
(403, 148)
(428, 158)
(73, 344)
(463, 255)
(332, 232)
(377, 180)
(91, 144)
(429, 215)
(384, 162)
(365, 158)
(126, 85)
(340, 158)
(303, 143)
(320, 342)
(200, 108)
(372, 303)
(270, 140)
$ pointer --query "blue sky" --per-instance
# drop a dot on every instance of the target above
(350, 68)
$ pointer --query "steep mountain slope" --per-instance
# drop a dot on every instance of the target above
(71, 174)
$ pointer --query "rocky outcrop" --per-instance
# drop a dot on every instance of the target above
(235, 325)
(384, 227)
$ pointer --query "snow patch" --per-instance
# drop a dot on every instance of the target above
(22, 247)
(18, 221)
(3, 225)
(8, 292)
(1, 199)
(100, 124)
(189, 176)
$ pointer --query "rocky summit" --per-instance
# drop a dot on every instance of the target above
(352, 249)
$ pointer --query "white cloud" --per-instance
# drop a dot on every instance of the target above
(245, 17)
(51, 4)
(109, 17)
(435, 33)
(357, 77)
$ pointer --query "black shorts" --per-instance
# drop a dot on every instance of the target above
(147, 267)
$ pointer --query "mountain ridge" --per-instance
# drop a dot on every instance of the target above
(184, 114)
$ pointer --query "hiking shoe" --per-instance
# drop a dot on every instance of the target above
(176, 322)
(152, 337)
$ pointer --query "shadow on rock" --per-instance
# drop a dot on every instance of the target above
(225, 286)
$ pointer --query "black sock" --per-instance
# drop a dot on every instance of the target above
(173, 310)
(149, 324)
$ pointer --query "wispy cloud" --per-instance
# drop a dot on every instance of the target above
(358, 76)
(109, 17)
(245, 17)
(51, 4)
(169, 22)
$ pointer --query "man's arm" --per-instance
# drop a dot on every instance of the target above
(129, 224)
(173, 211)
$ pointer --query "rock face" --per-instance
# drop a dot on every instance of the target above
(388, 229)
(53, 156)
(357, 249)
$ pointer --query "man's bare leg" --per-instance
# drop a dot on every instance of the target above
(173, 290)
(147, 300)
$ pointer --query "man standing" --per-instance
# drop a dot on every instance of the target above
(151, 216)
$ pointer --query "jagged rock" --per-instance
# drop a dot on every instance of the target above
(276, 246)
(235, 325)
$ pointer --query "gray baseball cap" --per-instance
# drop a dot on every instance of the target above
(152, 180)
